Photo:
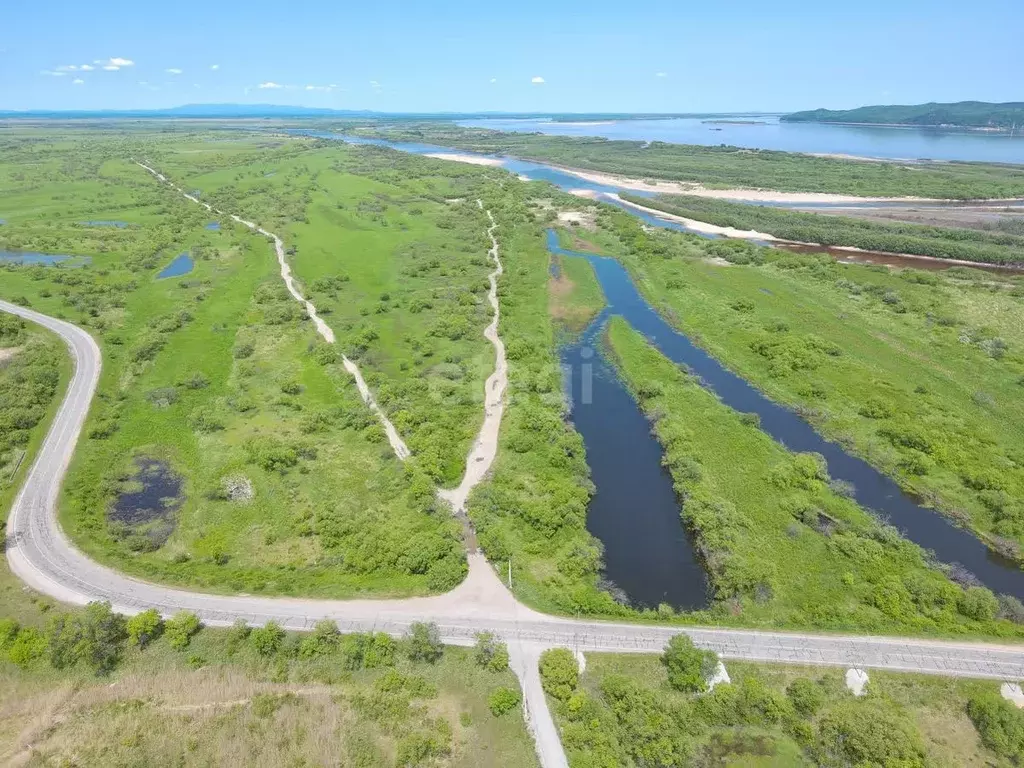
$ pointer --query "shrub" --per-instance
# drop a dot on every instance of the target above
(244, 350)
(205, 419)
(490, 652)
(424, 642)
(503, 700)
(979, 603)
(144, 627)
(806, 696)
(8, 627)
(379, 651)
(181, 628)
(267, 640)
(1000, 725)
(237, 635)
(559, 672)
(688, 667)
(869, 732)
(270, 454)
(323, 640)
(27, 646)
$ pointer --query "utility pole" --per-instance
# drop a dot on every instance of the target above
(510, 572)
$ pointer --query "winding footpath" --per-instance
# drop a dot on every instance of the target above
(41, 555)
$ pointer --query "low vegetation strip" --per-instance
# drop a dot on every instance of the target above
(722, 166)
(782, 544)
(830, 230)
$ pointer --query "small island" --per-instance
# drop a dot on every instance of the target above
(964, 115)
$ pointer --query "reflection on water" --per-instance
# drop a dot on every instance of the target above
(31, 257)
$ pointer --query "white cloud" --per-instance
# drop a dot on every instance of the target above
(374, 84)
(494, 79)
(87, 68)
(173, 71)
(77, 81)
(215, 66)
(115, 63)
(269, 84)
(325, 88)
(661, 74)
(52, 73)
(196, 85)
(538, 81)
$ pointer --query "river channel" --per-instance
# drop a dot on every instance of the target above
(648, 553)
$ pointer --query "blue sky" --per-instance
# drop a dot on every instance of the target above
(676, 56)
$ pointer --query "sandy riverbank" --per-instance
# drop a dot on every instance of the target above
(464, 158)
(751, 195)
(701, 226)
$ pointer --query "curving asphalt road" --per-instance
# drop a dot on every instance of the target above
(42, 556)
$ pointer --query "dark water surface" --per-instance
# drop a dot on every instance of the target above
(872, 489)
(648, 554)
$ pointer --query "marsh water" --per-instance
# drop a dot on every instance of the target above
(49, 259)
(598, 423)
(648, 553)
(181, 265)
(759, 131)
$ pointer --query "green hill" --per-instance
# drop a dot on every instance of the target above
(964, 114)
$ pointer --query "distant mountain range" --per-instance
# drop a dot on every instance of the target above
(976, 115)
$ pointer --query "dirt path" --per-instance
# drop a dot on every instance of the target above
(397, 444)
(485, 447)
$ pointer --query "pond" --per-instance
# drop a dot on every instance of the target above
(146, 505)
(31, 257)
(213, 226)
(104, 223)
(181, 265)
(871, 489)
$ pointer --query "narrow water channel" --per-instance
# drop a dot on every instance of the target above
(872, 489)
(634, 512)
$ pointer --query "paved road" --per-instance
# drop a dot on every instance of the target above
(40, 554)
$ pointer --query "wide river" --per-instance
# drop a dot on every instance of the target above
(767, 132)
(648, 553)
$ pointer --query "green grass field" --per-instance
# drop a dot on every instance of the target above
(625, 713)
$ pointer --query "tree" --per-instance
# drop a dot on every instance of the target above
(62, 635)
(180, 628)
(101, 635)
(502, 700)
(559, 672)
(688, 667)
(29, 644)
(145, 627)
(424, 642)
(267, 639)
(490, 652)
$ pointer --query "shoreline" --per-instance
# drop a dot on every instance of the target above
(741, 234)
(462, 157)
